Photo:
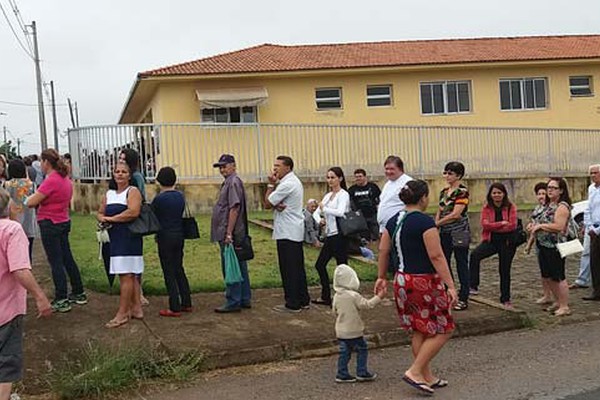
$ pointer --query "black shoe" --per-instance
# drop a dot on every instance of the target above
(345, 379)
(321, 302)
(247, 306)
(591, 298)
(367, 378)
(225, 310)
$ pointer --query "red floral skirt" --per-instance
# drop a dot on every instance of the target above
(422, 303)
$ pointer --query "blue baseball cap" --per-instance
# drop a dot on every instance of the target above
(224, 160)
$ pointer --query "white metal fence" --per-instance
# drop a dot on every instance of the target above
(192, 148)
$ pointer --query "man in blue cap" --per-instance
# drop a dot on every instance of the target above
(228, 225)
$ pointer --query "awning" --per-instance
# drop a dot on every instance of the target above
(224, 98)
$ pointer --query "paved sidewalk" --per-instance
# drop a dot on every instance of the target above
(261, 334)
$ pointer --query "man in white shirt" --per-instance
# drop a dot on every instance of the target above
(288, 230)
(593, 230)
(389, 200)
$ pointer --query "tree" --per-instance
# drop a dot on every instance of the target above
(8, 150)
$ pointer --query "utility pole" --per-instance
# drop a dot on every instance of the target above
(76, 114)
(19, 141)
(71, 113)
(54, 116)
(38, 76)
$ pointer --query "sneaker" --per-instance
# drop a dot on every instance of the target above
(80, 299)
(15, 396)
(367, 378)
(284, 309)
(345, 379)
(473, 292)
(306, 307)
(61, 306)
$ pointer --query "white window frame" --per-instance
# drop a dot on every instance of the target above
(522, 93)
(445, 97)
(588, 86)
(214, 110)
(380, 96)
(337, 98)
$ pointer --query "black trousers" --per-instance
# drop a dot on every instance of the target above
(595, 264)
(506, 253)
(170, 252)
(334, 246)
(293, 275)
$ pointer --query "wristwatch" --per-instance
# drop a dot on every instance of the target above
(270, 185)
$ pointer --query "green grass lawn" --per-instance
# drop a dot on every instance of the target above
(202, 261)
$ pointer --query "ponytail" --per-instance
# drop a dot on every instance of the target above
(55, 161)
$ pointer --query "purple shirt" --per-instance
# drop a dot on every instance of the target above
(231, 195)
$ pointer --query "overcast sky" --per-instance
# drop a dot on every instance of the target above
(93, 49)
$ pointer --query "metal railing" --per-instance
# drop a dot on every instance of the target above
(192, 149)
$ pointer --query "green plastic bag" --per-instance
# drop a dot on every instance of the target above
(233, 274)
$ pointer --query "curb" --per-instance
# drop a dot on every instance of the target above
(320, 348)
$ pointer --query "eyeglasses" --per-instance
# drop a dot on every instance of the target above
(448, 173)
(553, 187)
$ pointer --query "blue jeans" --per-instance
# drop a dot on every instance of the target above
(238, 294)
(346, 348)
(55, 238)
(461, 255)
(584, 265)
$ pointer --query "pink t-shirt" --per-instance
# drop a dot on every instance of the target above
(58, 192)
(14, 255)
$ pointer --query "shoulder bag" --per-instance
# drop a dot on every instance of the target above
(351, 223)
(243, 247)
(146, 223)
(189, 224)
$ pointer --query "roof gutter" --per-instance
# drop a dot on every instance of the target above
(129, 97)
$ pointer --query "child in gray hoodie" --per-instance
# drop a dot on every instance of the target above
(349, 327)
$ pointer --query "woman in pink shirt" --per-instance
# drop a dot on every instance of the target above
(53, 198)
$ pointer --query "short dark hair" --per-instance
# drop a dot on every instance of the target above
(166, 176)
(17, 169)
(132, 158)
(27, 160)
(394, 160)
(360, 171)
(287, 161)
(457, 167)
(539, 186)
(499, 186)
(414, 191)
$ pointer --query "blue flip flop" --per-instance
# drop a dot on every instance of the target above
(440, 383)
(423, 387)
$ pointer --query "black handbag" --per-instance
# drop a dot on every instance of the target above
(519, 236)
(146, 223)
(351, 223)
(460, 239)
(189, 224)
(243, 246)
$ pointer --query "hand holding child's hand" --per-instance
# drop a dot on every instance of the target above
(381, 292)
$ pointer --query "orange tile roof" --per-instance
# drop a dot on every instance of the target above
(278, 58)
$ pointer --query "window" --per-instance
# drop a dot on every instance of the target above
(446, 97)
(234, 115)
(328, 98)
(378, 96)
(523, 94)
(580, 86)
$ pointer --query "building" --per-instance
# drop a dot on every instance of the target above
(533, 82)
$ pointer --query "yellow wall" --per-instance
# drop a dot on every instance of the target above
(292, 98)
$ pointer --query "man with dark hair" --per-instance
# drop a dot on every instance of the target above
(228, 225)
(288, 230)
(364, 196)
(389, 200)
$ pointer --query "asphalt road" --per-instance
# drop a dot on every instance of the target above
(557, 363)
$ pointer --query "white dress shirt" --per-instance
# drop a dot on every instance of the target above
(288, 223)
(592, 213)
(389, 200)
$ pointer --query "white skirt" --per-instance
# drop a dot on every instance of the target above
(126, 265)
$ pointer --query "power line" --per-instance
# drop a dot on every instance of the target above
(21, 23)
(15, 33)
(16, 103)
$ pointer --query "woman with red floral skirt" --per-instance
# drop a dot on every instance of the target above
(423, 287)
